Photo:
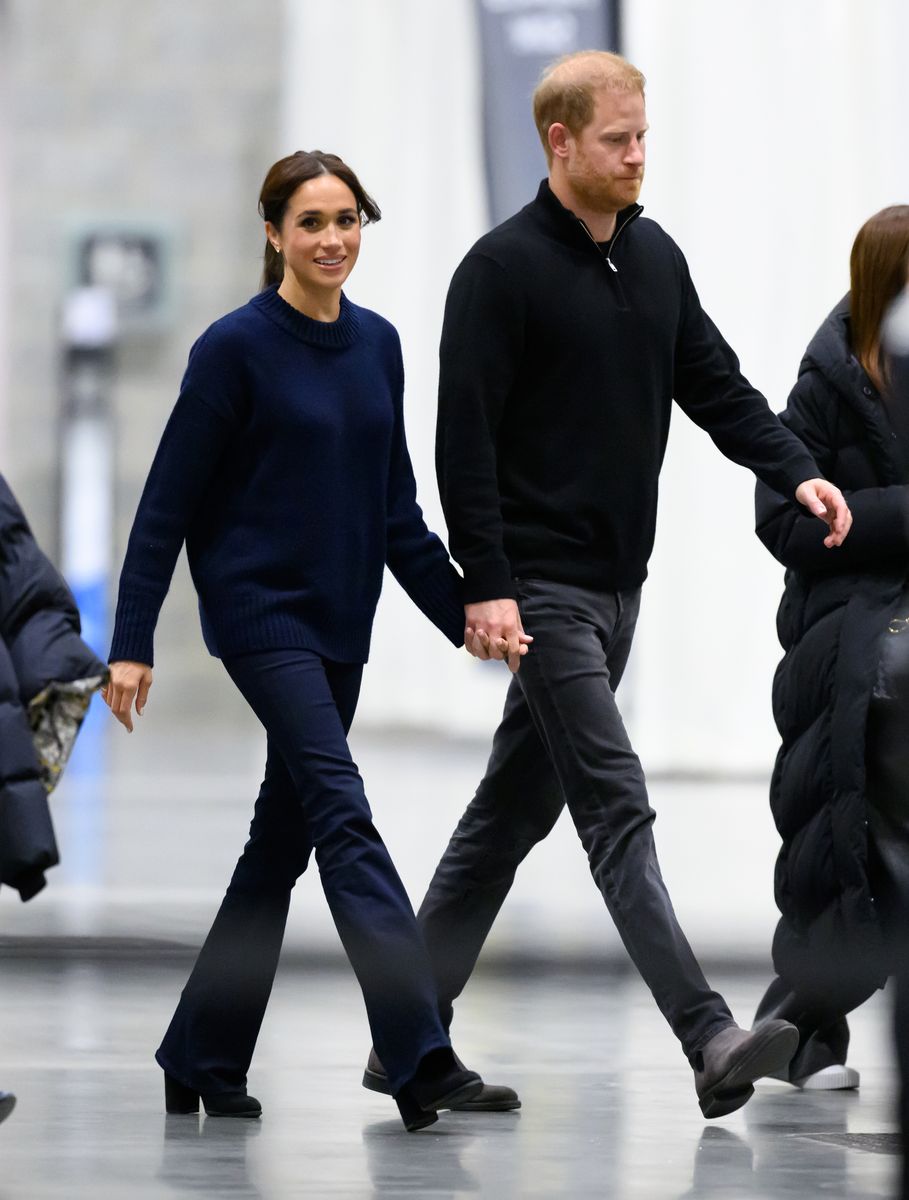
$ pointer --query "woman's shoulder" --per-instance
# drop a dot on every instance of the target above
(230, 335)
(372, 322)
(377, 333)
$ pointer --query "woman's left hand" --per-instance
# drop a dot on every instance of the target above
(129, 681)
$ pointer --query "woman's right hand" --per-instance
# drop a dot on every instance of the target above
(129, 681)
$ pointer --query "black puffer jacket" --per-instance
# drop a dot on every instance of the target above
(40, 650)
(834, 609)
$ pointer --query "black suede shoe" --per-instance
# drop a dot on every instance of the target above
(725, 1070)
(179, 1099)
(492, 1097)
(7, 1104)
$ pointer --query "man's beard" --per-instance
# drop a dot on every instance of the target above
(605, 195)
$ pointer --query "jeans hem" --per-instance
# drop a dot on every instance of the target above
(712, 1031)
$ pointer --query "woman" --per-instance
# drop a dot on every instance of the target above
(840, 787)
(285, 468)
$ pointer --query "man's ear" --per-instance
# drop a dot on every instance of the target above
(558, 136)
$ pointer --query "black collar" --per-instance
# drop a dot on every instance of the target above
(561, 221)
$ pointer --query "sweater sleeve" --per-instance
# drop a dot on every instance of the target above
(713, 392)
(481, 347)
(415, 556)
(206, 412)
(880, 515)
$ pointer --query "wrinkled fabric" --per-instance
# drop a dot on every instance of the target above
(47, 677)
(56, 715)
(829, 945)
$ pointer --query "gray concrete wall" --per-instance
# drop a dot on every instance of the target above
(165, 111)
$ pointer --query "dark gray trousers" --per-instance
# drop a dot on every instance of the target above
(562, 741)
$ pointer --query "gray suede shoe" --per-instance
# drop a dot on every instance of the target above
(725, 1070)
(493, 1097)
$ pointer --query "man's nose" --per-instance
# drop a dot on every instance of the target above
(635, 151)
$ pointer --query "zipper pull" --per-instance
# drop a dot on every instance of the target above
(612, 264)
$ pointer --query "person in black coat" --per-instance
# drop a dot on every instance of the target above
(47, 678)
(896, 341)
(840, 787)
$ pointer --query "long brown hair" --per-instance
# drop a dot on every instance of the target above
(879, 268)
(283, 179)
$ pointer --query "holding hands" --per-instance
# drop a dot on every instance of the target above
(493, 630)
(129, 681)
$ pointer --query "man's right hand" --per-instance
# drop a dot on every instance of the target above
(492, 629)
(129, 681)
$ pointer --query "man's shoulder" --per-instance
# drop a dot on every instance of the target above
(506, 241)
(652, 234)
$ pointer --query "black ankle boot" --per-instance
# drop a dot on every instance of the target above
(439, 1082)
(179, 1099)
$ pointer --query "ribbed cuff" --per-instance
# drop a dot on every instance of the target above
(489, 582)
(134, 632)
(440, 596)
(795, 474)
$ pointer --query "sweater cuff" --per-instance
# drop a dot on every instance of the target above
(488, 582)
(439, 596)
(795, 473)
(134, 631)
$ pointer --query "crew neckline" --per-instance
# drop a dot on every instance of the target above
(336, 334)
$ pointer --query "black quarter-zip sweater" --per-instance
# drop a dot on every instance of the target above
(558, 370)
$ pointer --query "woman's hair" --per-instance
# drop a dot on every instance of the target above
(282, 181)
(879, 270)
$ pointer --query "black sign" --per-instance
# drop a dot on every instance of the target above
(518, 39)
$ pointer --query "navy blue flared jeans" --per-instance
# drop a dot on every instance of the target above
(311, 799)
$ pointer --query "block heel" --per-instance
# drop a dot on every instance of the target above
(179, 1099)
(184, 1101)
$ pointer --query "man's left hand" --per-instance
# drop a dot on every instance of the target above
(828, 503)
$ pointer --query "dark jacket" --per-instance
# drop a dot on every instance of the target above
(834, 609)
(41, 654)
(558, 370)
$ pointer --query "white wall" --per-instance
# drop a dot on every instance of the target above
(777, 128)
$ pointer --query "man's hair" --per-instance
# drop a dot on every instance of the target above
(568, 87)
(878, 269)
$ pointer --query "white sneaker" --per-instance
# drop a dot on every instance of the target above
(831, 1079)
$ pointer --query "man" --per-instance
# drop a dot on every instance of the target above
(568, 331)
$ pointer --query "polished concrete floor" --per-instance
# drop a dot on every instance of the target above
(149, 828)
(609, 1109)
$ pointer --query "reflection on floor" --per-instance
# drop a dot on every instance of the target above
(609, 1108)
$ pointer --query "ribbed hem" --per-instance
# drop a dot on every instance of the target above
(332, 335)
(244, 628)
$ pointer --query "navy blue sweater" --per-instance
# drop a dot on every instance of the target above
(285, 469)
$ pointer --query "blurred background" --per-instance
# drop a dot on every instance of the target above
(133, 142)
